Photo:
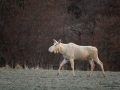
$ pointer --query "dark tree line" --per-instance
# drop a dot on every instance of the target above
(8, 10)
(27, 28)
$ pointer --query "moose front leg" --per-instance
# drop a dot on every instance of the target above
(72, 66)
(63, 62)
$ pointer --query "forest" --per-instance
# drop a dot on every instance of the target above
(28, 27)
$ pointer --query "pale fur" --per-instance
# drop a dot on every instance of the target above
(73, 52)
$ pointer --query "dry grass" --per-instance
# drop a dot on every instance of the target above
(20, 79)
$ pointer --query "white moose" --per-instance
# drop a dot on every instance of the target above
(72, 52)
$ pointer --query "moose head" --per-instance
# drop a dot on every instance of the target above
(55, 47)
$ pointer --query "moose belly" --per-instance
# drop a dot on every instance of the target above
(82, 56)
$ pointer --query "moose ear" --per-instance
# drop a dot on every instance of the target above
(59, 41)
(54, 41)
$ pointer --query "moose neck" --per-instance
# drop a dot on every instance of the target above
(62, 48)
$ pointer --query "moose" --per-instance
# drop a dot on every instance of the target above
(73, 52)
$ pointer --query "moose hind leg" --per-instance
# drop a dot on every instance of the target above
(101, 65)
(92, 66)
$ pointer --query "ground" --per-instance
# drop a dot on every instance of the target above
(31, 79)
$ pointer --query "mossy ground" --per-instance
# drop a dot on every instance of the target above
(31, 79)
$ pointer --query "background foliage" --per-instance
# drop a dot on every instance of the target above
(27, 28)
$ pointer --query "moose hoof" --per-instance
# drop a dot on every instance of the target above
(104, 75)
(74, 75)
(89, 75)
(58, 74)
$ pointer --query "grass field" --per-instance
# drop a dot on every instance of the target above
(20, 79)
